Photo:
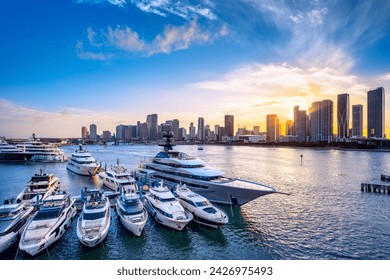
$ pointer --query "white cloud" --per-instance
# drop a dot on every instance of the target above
(118, 3)
(109, 41)
(180, 8)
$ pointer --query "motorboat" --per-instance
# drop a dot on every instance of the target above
(116, 176)
(94, 221)
(12, 153)
(176, 167)
(165, 208)
(49, 223)
(42, 152)
(83, 163)
(41, 184)
(131, 211)
(204, 212)
(13, 218)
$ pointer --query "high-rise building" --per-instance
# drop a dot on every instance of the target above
(229, 125)
(192, 130)
(175, 128)
(357, 120)
(84, 133)
(316, 121)
(216, 132)
(272, 128)
(182, 134)
(301, 126)
(342, 116)
(152, 124)
(296, 113)
(256, 130)
(93, 131)
(106, 135)
(201, 135)
(289, 127)
(376, 113)
(143, 133)
(327, 120)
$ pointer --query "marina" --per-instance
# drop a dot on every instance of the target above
(325, 217)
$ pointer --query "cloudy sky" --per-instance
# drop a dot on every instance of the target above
(67, 64)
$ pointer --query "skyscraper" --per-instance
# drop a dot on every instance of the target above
(93, 131)
(229, 125)
(152, 124)
(272, 128)
(315, 121)
(201, 135)
(289, 127)
(192, 130)
(296, 113)
(301, 126)
(342, 116)
(327, 120)
(357, 120)
(84, 133)
(175, 128)
(376, 112)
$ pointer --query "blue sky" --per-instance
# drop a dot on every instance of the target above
(67, 64)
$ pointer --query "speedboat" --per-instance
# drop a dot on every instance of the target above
(117, 176)
(95, 218)
(41, 184)
(13, 218)
(49, 223)
(42, 152)
(83, 163)
(179, 168)
(204, 212)
(165, 208)
(12, 153)
(131, 211)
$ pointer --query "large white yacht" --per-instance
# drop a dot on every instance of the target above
(95, 218)
(165, 208)
(13, 218)
(41, 184)
(117, 176)
(12, 153)
(42, 152)
(49, 223)
(179, 168)
(131, 210)
(83, 163)
(204, 212)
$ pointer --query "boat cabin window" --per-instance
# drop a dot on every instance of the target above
(162, 155)
(189, 202)
(48, 213)
(210, 210)
(164, 199)
(202, 203)
(94, 216)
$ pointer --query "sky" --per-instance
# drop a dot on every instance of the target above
(68, 64)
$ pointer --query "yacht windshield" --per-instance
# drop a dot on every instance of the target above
(210, 210)
(47, 214)
(166, 199)
(94, 216)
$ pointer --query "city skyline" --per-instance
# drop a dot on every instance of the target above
(111, 62)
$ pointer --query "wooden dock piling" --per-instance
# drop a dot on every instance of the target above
(375, 188)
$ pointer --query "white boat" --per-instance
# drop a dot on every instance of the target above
(94, 221)
(177, 167)
(41, 184)
(116, 176)
(12, 153)
(42, 152)
(131, 211)
(13, 218)
(83, 163)
(204, 212)
(49, 223)
(165, 208)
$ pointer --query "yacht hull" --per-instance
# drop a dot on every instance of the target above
(35, 246)
(165, 221)
(135, 227)
(82, 170)
(94, 235)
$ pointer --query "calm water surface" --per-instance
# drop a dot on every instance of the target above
(325, 217)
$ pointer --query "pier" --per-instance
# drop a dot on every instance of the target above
(375, 188)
